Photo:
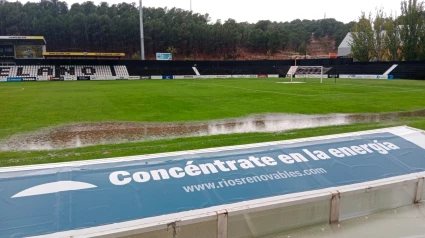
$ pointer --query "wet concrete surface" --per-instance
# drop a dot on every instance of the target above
(87, 134)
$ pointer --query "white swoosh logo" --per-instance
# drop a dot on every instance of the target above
(56, 187)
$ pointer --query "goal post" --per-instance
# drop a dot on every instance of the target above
(305, 72)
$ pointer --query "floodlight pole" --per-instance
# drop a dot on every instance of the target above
(190, 5)
(142, 37)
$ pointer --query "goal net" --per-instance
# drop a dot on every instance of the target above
(297, 73)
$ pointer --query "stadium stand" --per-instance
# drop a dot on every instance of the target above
(85, 70)
(63, 70)
(121, 70)
(27, 71)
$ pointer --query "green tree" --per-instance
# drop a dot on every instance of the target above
(379, 30)
(392, 40)
(362, 45)
(172, 50)
(136, 56)
(422, 43)
(302, 49)
(412, 30)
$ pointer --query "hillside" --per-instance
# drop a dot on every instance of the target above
(316, 48)
(115, 28)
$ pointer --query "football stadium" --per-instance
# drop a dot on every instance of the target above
(322, 143)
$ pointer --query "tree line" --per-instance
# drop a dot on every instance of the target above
(115, 28)
(387, 37)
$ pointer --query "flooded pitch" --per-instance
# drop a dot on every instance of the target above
(87, 134)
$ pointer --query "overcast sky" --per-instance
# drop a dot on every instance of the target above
(274, 10)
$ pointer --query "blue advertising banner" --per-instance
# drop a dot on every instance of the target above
(164, 56)
(14, 79)
(50, 200)
(167, 77)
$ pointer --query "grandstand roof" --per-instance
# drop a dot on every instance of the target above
(33, 39)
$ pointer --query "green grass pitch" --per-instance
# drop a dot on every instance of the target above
(30, 106)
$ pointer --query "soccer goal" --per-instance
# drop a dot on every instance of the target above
(307, 72)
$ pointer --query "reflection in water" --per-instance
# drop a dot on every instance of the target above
(86, 134)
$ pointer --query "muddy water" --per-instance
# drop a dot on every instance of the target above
(86, 134)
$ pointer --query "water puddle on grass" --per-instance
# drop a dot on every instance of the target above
(87, 134)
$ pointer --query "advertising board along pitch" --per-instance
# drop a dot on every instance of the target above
(70, 199)
(164, 56)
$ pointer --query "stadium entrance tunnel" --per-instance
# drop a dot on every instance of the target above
(88, 134)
